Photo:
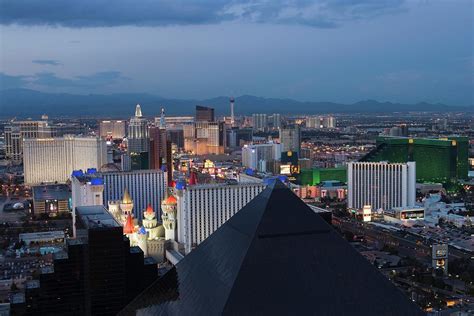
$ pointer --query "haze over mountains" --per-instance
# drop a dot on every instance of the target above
(25, 103)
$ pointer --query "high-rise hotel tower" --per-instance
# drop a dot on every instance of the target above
(54, 159)
(203, 208)
(138, 138)
(138, 141)
(381, 185)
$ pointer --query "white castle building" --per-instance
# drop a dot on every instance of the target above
(149, 236)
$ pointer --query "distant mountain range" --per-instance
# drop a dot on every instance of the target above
(25, 103)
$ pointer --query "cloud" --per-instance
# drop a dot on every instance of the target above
(99, 13)
(401, 76)
(12, 82)
(51, 80)
(49, 62)
(99, 79)
(319, 13)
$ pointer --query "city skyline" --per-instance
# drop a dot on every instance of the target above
(257, 157)
(399, 51)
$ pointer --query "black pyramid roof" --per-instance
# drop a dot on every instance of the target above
(274, 257)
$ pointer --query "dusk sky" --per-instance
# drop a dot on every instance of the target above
(339, 50)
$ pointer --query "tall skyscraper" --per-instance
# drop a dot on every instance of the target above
(158, 142)
(176, 136)
(17, 131)
(237, 137)
(290, 139)
(160, 147)
(275, 121)
(381, 185)
(204, 208)
(111, 129)
(162, 119)
(321, 122)
(204, 114)
(159, 153)
(232, 117)
(54, 159)
(138, 140)
(260, 122)
(328, 122)
(204, 138)
(216, 137)
(145, 187)
(261, 156)
(398, 131)
(189, 136)
(442, 160)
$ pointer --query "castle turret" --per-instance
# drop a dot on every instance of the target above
(150, 223)
(114, 209)
(128, 227)
(126, 205)
(169, 208)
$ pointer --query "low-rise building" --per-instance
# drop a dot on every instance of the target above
(405, 215)
(51, 199)
(42, 237)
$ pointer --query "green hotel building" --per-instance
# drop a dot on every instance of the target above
(443, 160)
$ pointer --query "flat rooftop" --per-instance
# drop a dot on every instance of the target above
(95, 217)
(223, 185)
(93, 179)
(53, 234)
(442, 141)
(51, 192)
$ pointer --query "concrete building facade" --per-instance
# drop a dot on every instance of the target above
(202, 209)
(54, 159)
(145, 187)
(381, 185)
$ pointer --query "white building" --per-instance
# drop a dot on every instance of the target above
(204, 208)
(16, 131)
(259, 121)
(87, 189)
(406, 216)
(145, 187)
(257, 156)
(54, 159)
(275, 120)
(381, 185)
(112, 129)
(328, 122)
(320, 122)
